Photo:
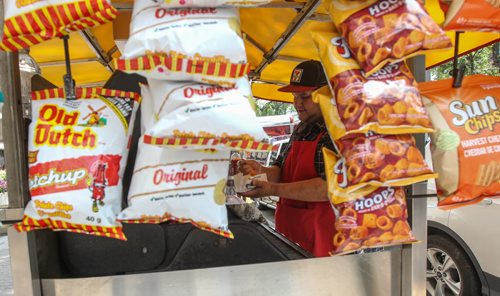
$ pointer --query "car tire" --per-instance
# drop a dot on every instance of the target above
(449, 269)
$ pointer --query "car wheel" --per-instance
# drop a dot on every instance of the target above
(449, 269)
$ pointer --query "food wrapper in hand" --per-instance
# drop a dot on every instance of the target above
(381, 32)
(243, 183)
(472, 15)
(29, 22)
(182, 186)
(210, 3)
(196, 44)
(378, 160)
(77, 154)
(204, 116)
(466, 146)
(387, 102)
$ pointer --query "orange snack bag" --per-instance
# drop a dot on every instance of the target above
(29, 22)
(375, 218)
(466, 145)
(473, 15)
(387, 102)
(379, 32)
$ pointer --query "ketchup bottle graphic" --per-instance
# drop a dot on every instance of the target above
(98, 186)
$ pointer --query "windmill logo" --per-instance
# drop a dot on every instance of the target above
(94, 118)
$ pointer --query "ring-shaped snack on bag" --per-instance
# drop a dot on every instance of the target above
(29, 22)
(381, 32)
(387, 102)
(77, 154)
(185, 44)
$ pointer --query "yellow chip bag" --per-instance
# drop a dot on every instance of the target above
(387, 102)
(380, 32)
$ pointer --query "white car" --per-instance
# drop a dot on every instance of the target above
(463, 250)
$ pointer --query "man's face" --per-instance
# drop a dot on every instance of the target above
(307, 110)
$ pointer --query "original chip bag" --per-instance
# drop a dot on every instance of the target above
(386, 102)
(466, 146)
(194, 115)
(181, 186)
(29, 22)
(472, 15)
(195, 44)
(376, 218)
(77, 153)
(380, 32)
(209, 3)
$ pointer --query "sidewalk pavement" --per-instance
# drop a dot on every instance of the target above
(6, 276)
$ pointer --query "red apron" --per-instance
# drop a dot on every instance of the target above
(309, 224)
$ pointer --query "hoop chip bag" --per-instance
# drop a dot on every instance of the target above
(182, 186)
(386, 102)
(195, 116)
(196, 44)
(77, 153)
(466, 146)
(29, 22)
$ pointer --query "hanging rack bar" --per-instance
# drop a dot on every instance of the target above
(69, 83)
(458, 72)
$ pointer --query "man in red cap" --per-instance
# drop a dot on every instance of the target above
(303, 214)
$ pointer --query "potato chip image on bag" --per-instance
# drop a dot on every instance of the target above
(196, 44)
(210, 3)
(473, 15)
(381, 32)
(387, 102)
(466, 146)
(29, 22)
(182, 186)
(78, 155)
(195, 116)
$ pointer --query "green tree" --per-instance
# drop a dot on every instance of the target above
(482, 61)
(268, 108)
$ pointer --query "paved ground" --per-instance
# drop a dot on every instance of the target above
(5, 275)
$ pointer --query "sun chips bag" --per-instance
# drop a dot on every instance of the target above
(466, 146)
(386, 102)
(383, 31)
(77, 156)
(472, 15)
(182, 186)
(210, 3)
(29, 22)
(203, 116)
(375, 218)
(196, 44)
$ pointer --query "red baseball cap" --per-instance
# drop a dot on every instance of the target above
(306, 76)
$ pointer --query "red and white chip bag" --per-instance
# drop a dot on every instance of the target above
(383, 31)
(466, 145)
(204, 116)
(472, 15)
(182, 186)
(29, 22)
(373, 217)
(77, 153)
(386, 102)
(378, 160)
(210, 3)
(195, 44)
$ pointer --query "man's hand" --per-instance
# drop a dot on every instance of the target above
(250, 167)
(262, 188)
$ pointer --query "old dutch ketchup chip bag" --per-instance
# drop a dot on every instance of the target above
(379, 32)
(466, 146)
(472, 15)
(182, 186)
(29, 22)
(77, 152)
(196, 44)
(203, 116)
(386, 102)
(210, 3)
(375, 218)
